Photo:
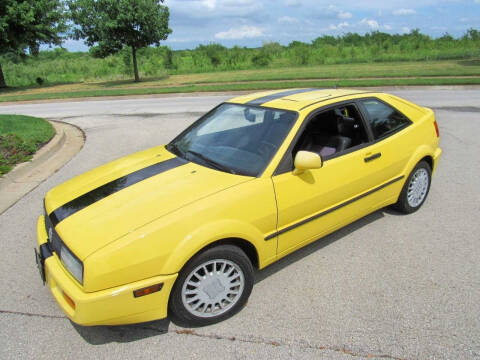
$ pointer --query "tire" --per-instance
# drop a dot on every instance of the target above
(416, 189)
(216, 295)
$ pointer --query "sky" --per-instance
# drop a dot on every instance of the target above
(252, 22)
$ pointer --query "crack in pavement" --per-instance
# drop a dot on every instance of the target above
(259, 340)
(242, 339)
(32, 314)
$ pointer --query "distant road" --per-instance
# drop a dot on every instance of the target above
(433, 97)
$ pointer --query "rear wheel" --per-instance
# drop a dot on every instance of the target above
(212, 287)
(416, 189)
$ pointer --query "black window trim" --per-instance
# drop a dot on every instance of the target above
(367, 118)
(285, 162)
(364, 116)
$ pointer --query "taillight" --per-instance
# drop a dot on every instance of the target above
(436, 128)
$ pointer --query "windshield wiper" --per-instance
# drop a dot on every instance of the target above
(211, 162)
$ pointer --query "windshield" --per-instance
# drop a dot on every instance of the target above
(234, 138)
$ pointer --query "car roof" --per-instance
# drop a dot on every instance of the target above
(293, 99)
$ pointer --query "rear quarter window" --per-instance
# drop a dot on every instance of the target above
(383, 119)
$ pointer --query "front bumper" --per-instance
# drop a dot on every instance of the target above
(113, 306)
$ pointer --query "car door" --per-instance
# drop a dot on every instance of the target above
(391, 148)
(319, 201)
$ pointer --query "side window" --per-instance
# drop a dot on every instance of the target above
(384, 120)
(330, 133)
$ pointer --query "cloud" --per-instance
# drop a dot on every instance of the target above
(405, 29)
(402, 12)
(339, 26)
(373, 24)
(213, 9)
(244, 32)
(287, 20)
(344, 15)
(210, 4)
(387, 27)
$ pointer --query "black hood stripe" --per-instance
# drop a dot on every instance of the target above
(265, 99)
(112, 187)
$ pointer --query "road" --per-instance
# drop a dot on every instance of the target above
(385, 287)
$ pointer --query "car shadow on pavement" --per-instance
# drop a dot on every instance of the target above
(99, 335)
(319, 244)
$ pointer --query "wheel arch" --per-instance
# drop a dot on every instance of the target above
(423, 153)
(243, 235)
(247, 247)
(429, 160)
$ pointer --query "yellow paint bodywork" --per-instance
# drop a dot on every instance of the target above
(145, 233)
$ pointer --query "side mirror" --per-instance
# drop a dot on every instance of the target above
(249, 116)
(305, 160)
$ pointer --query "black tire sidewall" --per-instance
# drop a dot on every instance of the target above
(177, 310)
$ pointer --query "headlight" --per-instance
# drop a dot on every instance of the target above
(72, 263)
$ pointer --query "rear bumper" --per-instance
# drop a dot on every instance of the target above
(436, 156)
(113, 306)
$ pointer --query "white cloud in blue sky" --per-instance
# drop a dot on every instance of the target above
(252, 22)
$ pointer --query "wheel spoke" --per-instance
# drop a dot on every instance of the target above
(196, 306)
(205, 269)
(193, 299)
(191, 283)
(224, 265)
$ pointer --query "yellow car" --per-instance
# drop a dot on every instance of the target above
(179, 229)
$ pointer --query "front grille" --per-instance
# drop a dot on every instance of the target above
(53, 239)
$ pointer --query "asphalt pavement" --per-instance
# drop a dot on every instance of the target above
(387, 286)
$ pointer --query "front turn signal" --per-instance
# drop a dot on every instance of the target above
(148, 290)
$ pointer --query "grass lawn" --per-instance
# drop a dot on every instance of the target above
(20, 137)
(445, 72)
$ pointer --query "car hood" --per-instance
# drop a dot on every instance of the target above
(104, 204)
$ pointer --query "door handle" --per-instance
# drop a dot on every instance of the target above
(372, 157)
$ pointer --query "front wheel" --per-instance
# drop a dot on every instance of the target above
(212, 287)
(416, 189)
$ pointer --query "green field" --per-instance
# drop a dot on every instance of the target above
(446, 72)
(373, 59)
(20, 137)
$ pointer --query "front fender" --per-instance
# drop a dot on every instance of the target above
(213, 232)
(161, 247)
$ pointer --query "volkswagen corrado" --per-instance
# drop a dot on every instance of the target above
(179, 229)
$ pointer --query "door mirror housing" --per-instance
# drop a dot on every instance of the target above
(305, 160)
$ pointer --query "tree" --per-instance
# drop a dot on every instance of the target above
(110, 25)
(26, 24)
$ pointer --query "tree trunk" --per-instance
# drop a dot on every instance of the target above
(2, 79)
(135, 66)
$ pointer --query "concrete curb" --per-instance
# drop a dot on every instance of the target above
(40, 156)
(25, 177)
